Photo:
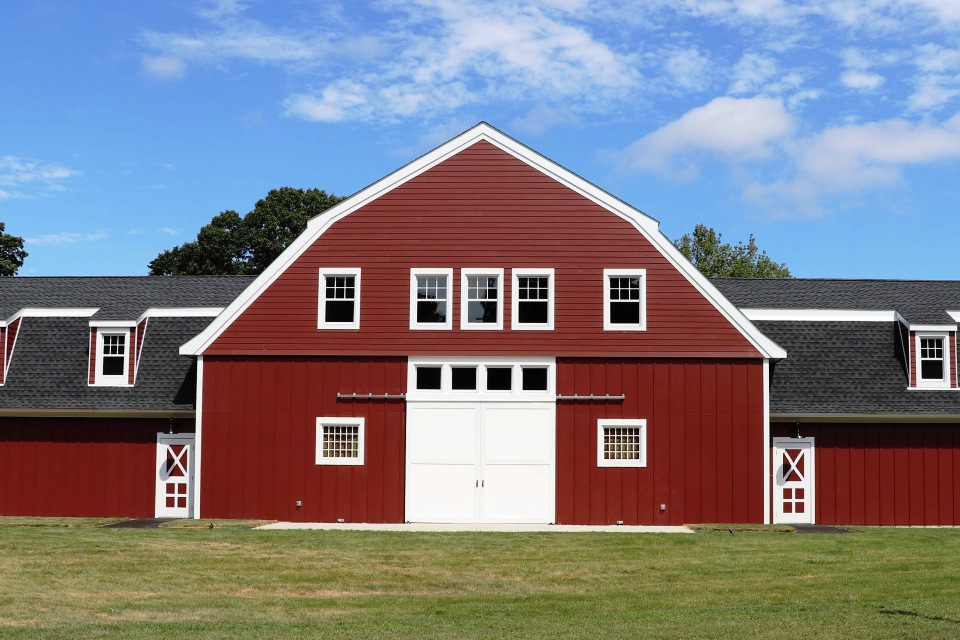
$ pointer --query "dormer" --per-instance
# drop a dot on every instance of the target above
(112, 357)
(933, 356)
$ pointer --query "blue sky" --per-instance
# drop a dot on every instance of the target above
(830, 129)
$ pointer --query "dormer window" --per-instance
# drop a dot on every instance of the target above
(113, 358)
(933, 366)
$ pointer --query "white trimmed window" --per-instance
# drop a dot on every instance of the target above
(430, 295)
(625, 299)
(621, 443)
(933, 363)
(340, 441)
(481, 299)
(532, 299)
(339, 299)
(113, 358)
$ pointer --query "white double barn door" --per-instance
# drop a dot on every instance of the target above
(480, 462)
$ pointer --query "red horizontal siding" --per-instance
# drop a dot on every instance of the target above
(95, 467)
(885, 474)
(704, 442)
(259, 439)
(482, 208)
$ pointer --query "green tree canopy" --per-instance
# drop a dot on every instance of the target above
(235, 245)
(11, 252)
(714, 258)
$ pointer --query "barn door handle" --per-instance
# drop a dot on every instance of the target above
(481, 483)
(478, 484)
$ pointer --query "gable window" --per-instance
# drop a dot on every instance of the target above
(113, 353)
(430, 298)
(625, 299)
(481, 304)
(933, 368)
(339, 299)
(621, 443)
(340, 441)
(532, 299)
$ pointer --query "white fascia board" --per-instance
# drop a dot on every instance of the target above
(820, 315)
(53, 312)
(954, 314)
(933, 328)
(113, 324)
(647, 226)
(180, 312)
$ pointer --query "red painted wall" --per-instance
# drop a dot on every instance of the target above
(885, 474)
(79, 466)
(704, 438)
(259, 439)
(482, 208)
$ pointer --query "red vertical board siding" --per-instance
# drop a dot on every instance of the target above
(267, 407)
(885, 474)
(94, 467)
(689, 409)
(527, 219)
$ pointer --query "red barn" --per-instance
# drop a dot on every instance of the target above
(481, 336)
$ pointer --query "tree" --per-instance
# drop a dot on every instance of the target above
(715, 258)
(235, 245)
(11, 252)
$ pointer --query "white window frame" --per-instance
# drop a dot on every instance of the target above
(624, 273)
(421, 273)
(328, 272)
(940, 383)
(515, 309)
(465, 294)
(340, 422)
(101, 379)
(622, 423)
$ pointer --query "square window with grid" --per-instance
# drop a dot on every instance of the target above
(621, 443)
(340, 441)
(624, 300)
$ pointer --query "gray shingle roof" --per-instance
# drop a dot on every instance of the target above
(846, 368)
(119, 298)
(49, 365)
(918, 301)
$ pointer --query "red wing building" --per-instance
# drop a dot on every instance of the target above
(481, 336)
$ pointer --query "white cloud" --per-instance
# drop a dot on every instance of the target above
(751, 72)
(542, 118)
(67, 237)
(27, 178)
(688, 69)
(164, 67)
(736, 129)
(862, 81)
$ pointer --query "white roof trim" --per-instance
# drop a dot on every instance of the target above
(820, 315)
(53, 312)
(954, 314)
(647, 226)
(180, 312)
(938, 328)
(113, 324)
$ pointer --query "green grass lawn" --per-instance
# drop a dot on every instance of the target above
(84, 582)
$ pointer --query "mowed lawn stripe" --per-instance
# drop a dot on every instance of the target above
(877, 583)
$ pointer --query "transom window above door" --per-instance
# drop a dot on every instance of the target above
(487, 379)
(430, 293)
(481, 304)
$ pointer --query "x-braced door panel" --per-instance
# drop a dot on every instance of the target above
(793, 488)
(174, 476)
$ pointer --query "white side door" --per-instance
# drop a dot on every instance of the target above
(793, 481)
(174, 476)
